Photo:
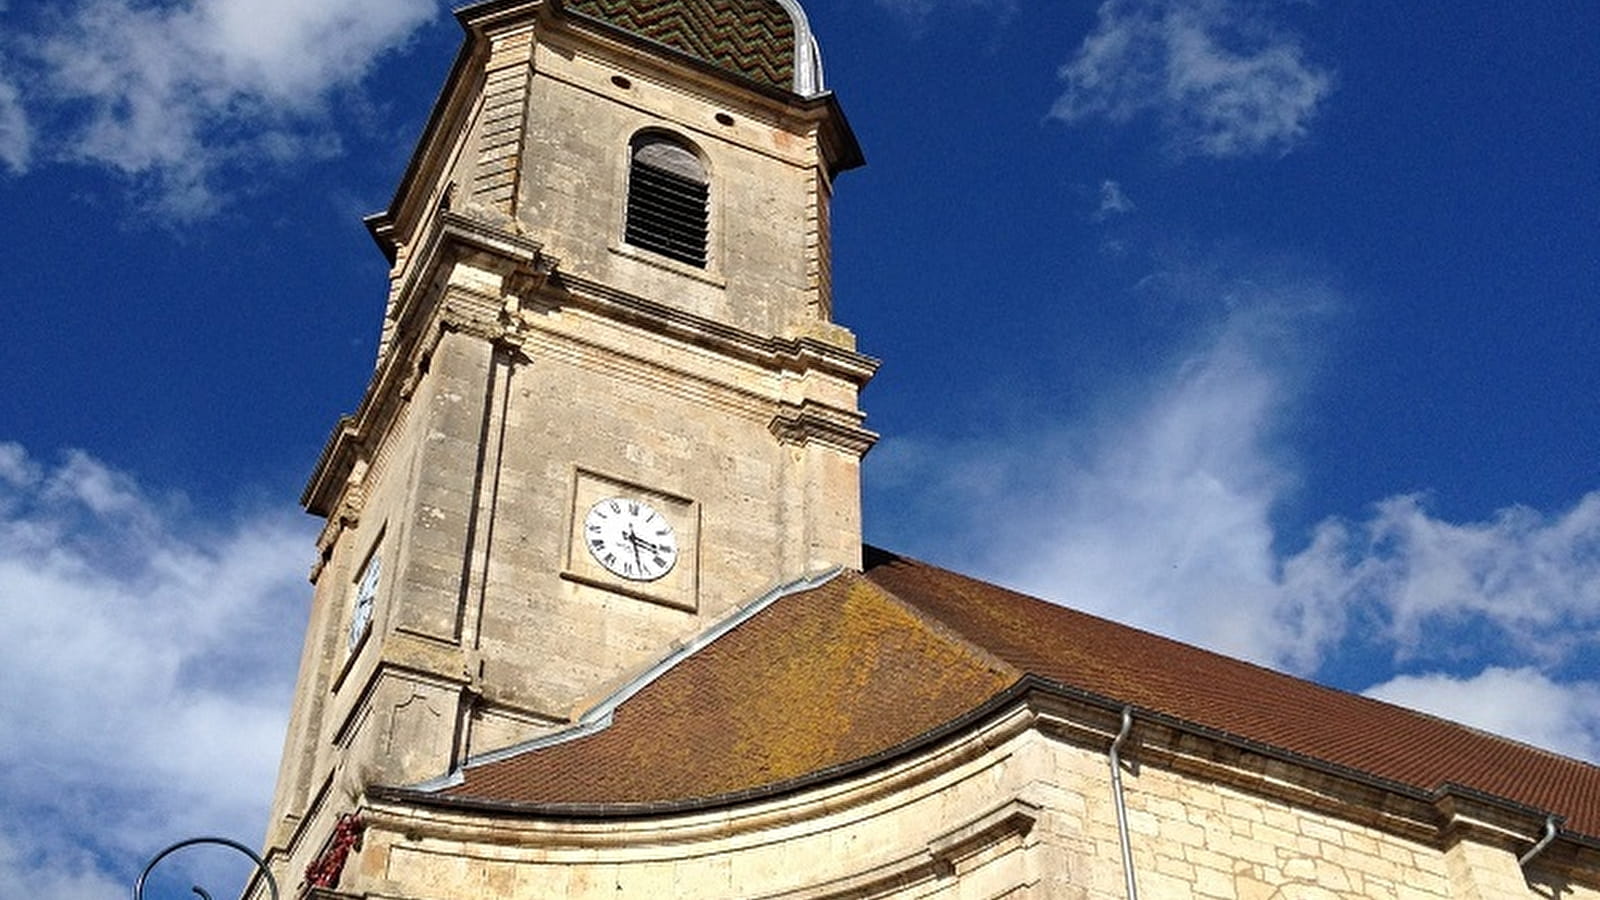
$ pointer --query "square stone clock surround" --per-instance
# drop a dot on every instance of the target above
(680, 587)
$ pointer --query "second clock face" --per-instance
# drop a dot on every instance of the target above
(630, 538)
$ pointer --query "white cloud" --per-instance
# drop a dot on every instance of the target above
(1113, 202)
(180, 96)
(16, 469)
(55, 872)
(1534, 580)
(147, 659)
(1518, 703)
(1162, 514)
(16, 134)
(1218, 75)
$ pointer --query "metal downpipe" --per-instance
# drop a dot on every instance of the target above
(1122, 807)
(1549, 837)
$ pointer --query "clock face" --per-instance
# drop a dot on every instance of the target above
(366, 595)
(630, 538)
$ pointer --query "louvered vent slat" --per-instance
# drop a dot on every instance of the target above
(667, 214)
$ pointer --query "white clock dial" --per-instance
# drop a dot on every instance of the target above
(366, 596)
(630, 538)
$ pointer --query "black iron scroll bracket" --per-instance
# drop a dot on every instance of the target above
(272, 885)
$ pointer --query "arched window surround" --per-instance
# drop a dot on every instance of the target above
(668, 198)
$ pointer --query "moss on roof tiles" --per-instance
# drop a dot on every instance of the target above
(823, 678)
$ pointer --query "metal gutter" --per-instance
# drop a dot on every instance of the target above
(1017, 692)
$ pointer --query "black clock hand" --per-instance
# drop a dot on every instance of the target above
(634, 540)
(638, 542)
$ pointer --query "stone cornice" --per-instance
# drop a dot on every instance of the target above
(812, 422)
(799, 355)
(1436, 818)
(429, 307)
(335, 461)
(938, 859)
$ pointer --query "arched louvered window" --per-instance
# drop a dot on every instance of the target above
(668, 195)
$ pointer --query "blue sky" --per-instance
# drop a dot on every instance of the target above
(1266, 324)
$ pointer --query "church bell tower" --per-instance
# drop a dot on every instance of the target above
(610, 403)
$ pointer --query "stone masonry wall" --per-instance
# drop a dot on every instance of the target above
(584, 106)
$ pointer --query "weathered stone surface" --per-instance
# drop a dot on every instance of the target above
(532, 360)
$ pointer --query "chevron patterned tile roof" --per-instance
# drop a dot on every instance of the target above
(753, 38)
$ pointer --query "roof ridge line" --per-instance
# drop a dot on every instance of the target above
(949, 632)
(599, 717)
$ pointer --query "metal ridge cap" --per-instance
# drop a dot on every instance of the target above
(599, 717)
(808, 79)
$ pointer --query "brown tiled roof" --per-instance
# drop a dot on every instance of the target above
(848, 671)
(753, 38)
(820, 679)
(1261, 706)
